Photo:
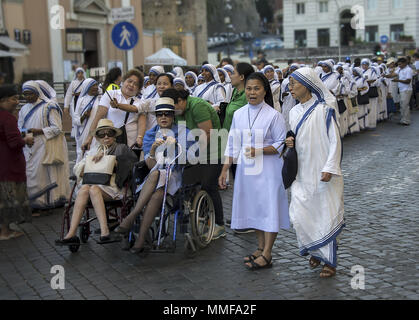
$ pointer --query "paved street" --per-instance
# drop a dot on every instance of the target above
(381, 171)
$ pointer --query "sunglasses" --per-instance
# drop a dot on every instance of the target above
(167, 114)
(103, 134)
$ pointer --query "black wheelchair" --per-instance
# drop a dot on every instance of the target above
(190, 211)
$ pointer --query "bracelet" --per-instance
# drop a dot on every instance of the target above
(140, 137)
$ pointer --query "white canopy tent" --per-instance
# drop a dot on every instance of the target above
(165, 56)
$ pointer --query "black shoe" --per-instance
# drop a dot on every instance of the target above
(243, 231)
(67, 242)
(108, 239)
(122, 230)
(137, 250)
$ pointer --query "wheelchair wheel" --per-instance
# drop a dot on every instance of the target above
(84, 233)
(202, 219)
(74, 248)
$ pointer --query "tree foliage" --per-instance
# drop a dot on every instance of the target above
(265, 10)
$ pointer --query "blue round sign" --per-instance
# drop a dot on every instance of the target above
(384, 39)
(257, 43)
(125, 36)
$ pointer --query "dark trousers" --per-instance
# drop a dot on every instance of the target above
(207, 175)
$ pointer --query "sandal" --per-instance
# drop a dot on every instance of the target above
(327, 272)
(314, 262)
(256, 266)
(252, 256)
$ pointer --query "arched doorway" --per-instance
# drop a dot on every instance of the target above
(347, 33)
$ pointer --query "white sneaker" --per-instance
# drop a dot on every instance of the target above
(219, 231)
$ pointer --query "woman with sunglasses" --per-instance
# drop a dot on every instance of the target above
(158, 141)
(164, 81)
(106, 135)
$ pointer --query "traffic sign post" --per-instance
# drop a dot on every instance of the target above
(384, 39)
(123, 14)
(384, 43)
(125, 37)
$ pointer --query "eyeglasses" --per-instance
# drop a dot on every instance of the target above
(166, 114)
(103, 134)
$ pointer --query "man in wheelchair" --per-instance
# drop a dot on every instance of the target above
(160, 147)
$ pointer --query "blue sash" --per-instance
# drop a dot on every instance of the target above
(206, 89)
(75, 91)
(89, 105)
(31, 112)
(325, 77)
(51, 107)
(305, 116)
(87, 108)
(152, 95)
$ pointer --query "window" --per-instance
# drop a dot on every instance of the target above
(396, 30)
(372, 4)
(397, 4)
(371, 33)
(300, 38)
(323, 37)
(324, 6)
(301, 8)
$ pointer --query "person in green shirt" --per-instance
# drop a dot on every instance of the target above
(238, 78)
(199, 114)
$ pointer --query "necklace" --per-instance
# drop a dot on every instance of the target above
(251, 126)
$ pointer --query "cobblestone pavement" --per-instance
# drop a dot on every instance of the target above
(381, 171)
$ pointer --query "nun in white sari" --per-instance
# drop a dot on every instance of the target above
(191, 80)
(212, 90)
(47, 90)
(316, 208)
(223, 74)
(269, 72)
(256, 139)
(72, 95)
(43, 118)
(85, 113)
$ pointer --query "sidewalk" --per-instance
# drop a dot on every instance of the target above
(381, 172)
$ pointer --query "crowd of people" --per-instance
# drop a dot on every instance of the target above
(265, 111)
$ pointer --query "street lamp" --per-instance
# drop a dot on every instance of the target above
(339, 29)
(227, 22)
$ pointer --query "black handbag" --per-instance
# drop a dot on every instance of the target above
(342, 106)
(373, 92)
(363, 99)
(123, 138)
(290, 168)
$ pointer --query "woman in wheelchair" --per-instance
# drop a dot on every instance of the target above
(98, 194)
(158, 141)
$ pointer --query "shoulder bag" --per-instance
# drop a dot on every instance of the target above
(123, 138)
(99, 173)
(54, 154)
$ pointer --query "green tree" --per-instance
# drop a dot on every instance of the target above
(265, 10)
